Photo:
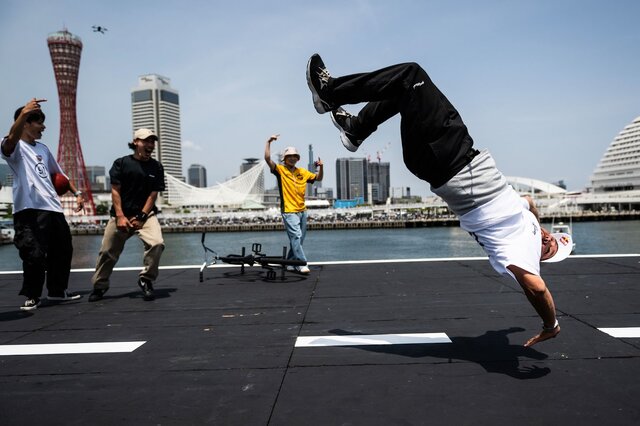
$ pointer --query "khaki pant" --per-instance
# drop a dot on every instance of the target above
(113, 244)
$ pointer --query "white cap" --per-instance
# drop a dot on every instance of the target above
(290, 151)
(565, 247)
(144, 134)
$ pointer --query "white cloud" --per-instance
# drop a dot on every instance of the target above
(191, 145)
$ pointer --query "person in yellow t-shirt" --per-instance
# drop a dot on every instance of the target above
(292, 183)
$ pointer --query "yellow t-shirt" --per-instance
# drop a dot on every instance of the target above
(292, 186)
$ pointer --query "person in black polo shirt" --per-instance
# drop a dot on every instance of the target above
(135, 182)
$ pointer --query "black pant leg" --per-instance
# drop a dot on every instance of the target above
(387, 83)
(59, 255)
(403, 88)
(434, 138)
(372, 115)
(31, 245)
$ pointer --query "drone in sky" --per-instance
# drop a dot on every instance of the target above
(99, 29)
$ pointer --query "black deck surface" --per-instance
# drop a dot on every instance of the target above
(222, 351)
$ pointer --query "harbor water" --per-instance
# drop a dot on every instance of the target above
(613, 237)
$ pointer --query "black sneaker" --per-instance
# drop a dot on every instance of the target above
(317, 78)
(147, 289)
(30, 304)
(342, 120)
(97, 294)
(64, 297)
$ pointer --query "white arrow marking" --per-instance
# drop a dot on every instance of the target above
(622, 332)
(372, 339)
(69, 348)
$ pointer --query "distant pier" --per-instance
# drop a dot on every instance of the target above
(351, 224)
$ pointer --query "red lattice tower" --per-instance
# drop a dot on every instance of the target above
(65, 49)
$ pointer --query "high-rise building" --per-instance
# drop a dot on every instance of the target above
(351, 178)
(97, 176)
(312, 188)
(197, 176)
(155, 105)
(6, 175)
(325, 193)
(619, 168)
(379, 181)
(249, 163)
(400, 192)
(65, 49)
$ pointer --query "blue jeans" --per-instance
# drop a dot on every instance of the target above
(296, 226)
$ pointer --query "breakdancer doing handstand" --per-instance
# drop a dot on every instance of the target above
(438, 149)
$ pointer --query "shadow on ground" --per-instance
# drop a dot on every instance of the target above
(492, 351)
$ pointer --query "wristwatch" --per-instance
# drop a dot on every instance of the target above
(142, 216)
(79, 193)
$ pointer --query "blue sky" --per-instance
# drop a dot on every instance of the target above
(544, 85)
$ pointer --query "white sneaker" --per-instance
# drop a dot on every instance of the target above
(30, 304)
(304, 270)
(342, 120)
(65, 297)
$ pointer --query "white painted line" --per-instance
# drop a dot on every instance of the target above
(422, 260)
(70, 348)
(602, 256)
(371, 339)
(342, 262)
(622, 332)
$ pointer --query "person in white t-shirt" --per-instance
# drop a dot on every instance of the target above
(437, 148)
(42, 234)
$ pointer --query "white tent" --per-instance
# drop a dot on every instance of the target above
(233, 193)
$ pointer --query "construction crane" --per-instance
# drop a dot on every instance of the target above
(379, 153)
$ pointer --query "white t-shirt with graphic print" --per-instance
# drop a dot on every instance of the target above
(32, 166)
(507, 231)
